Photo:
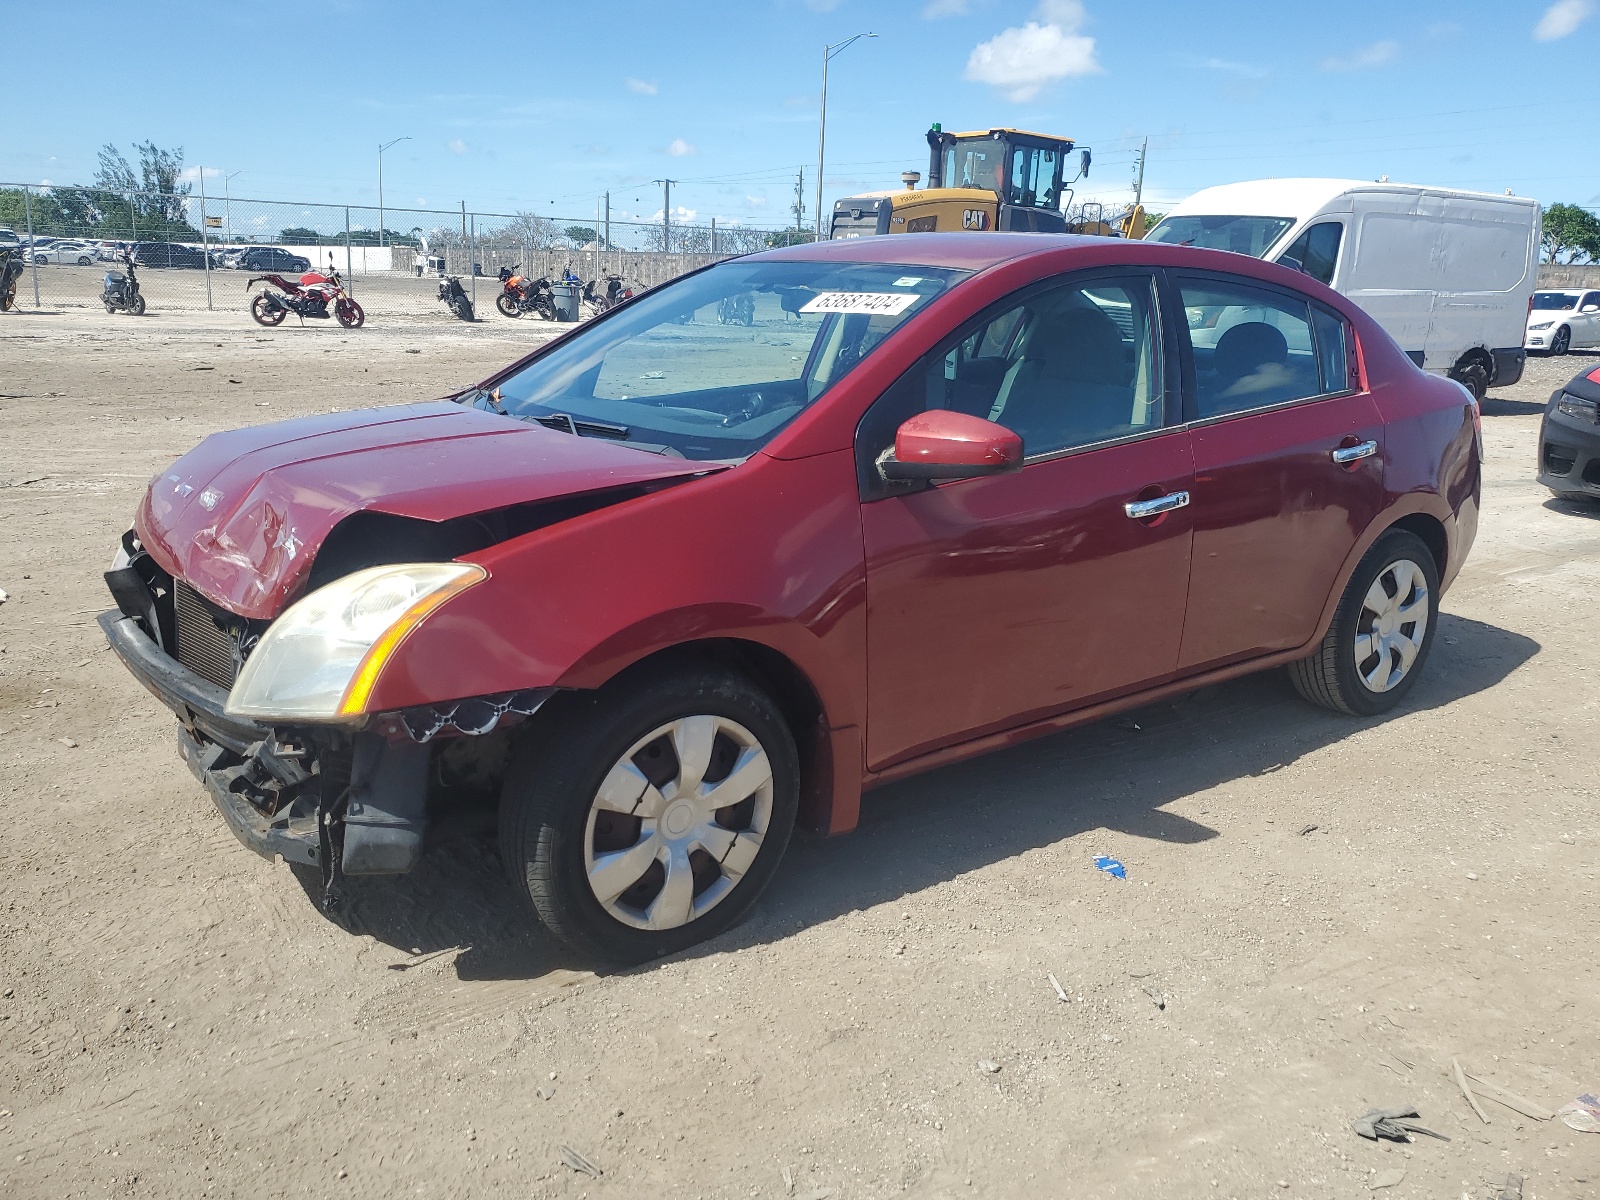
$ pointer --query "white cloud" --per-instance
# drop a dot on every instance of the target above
(457, 146)
(1228, 67)
(756, 201)
(1023, 60)
(643, 87)
(680, 148)
(936, 10)
(822, 6)
(1561, 18)
(680, 215)
(1376, 55)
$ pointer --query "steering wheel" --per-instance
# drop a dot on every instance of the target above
(753, 405)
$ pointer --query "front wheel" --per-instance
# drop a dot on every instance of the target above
(267, 311)
(350, 314)
(649, 815)
(1562, 341)
(137, 307)
(1381, 633)
(507, 304)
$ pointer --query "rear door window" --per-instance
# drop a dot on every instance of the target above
(1253, 346)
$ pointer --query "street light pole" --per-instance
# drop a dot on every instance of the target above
(828, 52)
(381, 149)
(227, 203)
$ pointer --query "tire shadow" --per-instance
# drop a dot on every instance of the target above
(1493, 406)
(1119, 774)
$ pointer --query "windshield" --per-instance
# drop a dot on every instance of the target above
(713, 365)
(1242, 235)
(1034, 170)
(976, 163)
(1556, 300)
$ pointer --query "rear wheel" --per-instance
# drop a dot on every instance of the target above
(649, 816)
(1380, 635)
(267, 311)
(1562, 341)
(507, 304)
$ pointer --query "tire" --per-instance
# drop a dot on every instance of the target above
(507, 305)
(85, 261)
(110, 308)
(137, 307)
(349, 314)
(1561, 342)
(555, 832)
(267, 312)
(1473, 376)
(1332, 677)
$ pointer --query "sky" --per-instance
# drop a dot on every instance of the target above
(511, 105)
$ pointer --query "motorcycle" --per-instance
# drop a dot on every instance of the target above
(455, 297)
(615, 294)
(313, 296)
(121, 292)
(519, 295)
(10, 272)
(737, 310)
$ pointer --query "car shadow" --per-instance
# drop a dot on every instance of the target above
(1118, 775)
(1493, 406)
(1575, 508)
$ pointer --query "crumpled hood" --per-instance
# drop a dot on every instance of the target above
(242, 515)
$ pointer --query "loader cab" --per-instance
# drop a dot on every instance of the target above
(1005, 179)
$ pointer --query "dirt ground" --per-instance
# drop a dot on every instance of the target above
(1320, 912)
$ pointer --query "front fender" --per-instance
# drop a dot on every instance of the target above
(769, 552)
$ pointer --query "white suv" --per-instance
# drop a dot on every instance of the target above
(1563, 320)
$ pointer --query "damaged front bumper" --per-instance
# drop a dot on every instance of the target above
(347, 803)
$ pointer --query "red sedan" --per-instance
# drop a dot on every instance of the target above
(676, 581)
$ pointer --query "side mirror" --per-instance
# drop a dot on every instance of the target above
(1590, 308)
(1084, 159)
(950, 445)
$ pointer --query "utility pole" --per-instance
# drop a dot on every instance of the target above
(381, 148)
(828, 52)
(1138, 186)
(205, 236)
(666, 214)
(799, 199)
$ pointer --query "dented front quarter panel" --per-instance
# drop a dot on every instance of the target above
(241, 517)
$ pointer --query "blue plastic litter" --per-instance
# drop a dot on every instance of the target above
(1111, 866)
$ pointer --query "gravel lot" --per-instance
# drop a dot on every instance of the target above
(1320, 912)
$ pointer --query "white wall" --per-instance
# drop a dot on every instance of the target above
(363, 259)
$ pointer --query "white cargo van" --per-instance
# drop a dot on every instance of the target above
(1448, 274)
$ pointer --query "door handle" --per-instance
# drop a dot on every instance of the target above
(1140, 509)
(1350, 454)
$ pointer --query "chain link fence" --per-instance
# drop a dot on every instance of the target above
(197, 251)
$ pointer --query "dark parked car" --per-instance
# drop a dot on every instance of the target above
(271, 258)
(168, 254)
(1569, 439)
(673, 588)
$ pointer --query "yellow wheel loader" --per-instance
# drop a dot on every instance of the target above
(986, 179)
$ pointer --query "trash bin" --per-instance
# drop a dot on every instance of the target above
(566, 297)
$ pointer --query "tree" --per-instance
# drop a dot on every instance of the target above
(779, 238)
(300, 235)
(533, 231)
(1572, 231)
(159, 203)
(579, 235)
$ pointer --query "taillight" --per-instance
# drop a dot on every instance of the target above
(1593, 376)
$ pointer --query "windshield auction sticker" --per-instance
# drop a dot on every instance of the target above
(880, 304)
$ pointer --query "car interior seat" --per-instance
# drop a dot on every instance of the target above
(1072, 384)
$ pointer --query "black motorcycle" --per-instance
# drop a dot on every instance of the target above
(615, 293)
(737, 310)
(455, 297)
(121, 292)
(10, 272)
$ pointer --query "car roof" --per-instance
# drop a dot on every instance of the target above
(960, 251)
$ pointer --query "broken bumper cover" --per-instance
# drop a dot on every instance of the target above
(379, 813)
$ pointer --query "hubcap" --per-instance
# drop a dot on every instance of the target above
(1392, 625)
(677, 822)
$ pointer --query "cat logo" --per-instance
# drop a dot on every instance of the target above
(974, 218)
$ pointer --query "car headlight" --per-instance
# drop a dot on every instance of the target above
(1542, 325)
(320, 659)
(1578, 409)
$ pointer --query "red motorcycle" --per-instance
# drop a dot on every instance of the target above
(314, 296)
